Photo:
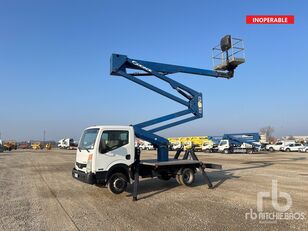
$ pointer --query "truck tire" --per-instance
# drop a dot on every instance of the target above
(207, 150)
(271, 149)
(117, 183)
(288, 150)
(187, 177)
(306, 150)
(177, 177)
(226, 151)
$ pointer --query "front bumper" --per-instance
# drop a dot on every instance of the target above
(88, 178)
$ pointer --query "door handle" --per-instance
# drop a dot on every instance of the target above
(127, 157)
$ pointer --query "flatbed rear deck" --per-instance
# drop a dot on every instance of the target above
(170, 162)
(173, 168)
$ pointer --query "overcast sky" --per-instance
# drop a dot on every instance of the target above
(54, 65)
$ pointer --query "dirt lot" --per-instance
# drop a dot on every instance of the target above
(37, 192)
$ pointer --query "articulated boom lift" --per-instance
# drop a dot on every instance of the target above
(228, 62)
(107, 155)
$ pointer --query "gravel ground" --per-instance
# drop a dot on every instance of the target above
(37, 192)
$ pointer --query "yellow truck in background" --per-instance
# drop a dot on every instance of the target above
(36, 146)
(48, 146)
(9, 145)
(188, 142)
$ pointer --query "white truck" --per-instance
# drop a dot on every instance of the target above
(209, 147)
(226, 147)
(279, 145)
(240, 143)
(176, 145)
(67, 143)
(146, 146)
(107, 155)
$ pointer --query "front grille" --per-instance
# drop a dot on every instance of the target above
(79, 165)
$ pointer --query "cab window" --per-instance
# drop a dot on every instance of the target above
(111, 140)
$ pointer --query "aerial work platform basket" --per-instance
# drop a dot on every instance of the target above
(227, 55)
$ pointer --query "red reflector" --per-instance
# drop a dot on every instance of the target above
(270, 19)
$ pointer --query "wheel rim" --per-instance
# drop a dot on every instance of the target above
(187, 177)
(118, 184)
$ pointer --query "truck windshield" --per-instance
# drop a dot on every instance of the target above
(88, 139)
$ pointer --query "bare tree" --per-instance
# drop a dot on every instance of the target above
(268, 131)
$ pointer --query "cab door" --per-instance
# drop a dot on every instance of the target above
(115, 147)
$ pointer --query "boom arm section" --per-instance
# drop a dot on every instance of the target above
(193, 102)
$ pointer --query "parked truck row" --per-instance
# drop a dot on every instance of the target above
(35, 145)
(228, 143)
(186, 143)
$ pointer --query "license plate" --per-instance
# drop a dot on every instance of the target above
(76, 175)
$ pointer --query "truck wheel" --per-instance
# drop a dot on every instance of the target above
(306, 150)
(187, 177)
(271, 149)
(178, 178)
(288, 150)
(226, 151)
(117, 183)
(207, 150)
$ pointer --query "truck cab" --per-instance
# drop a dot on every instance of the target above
(223, 146)
(103, 150)
(176, 145)
(209, 147)
(106, 155)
